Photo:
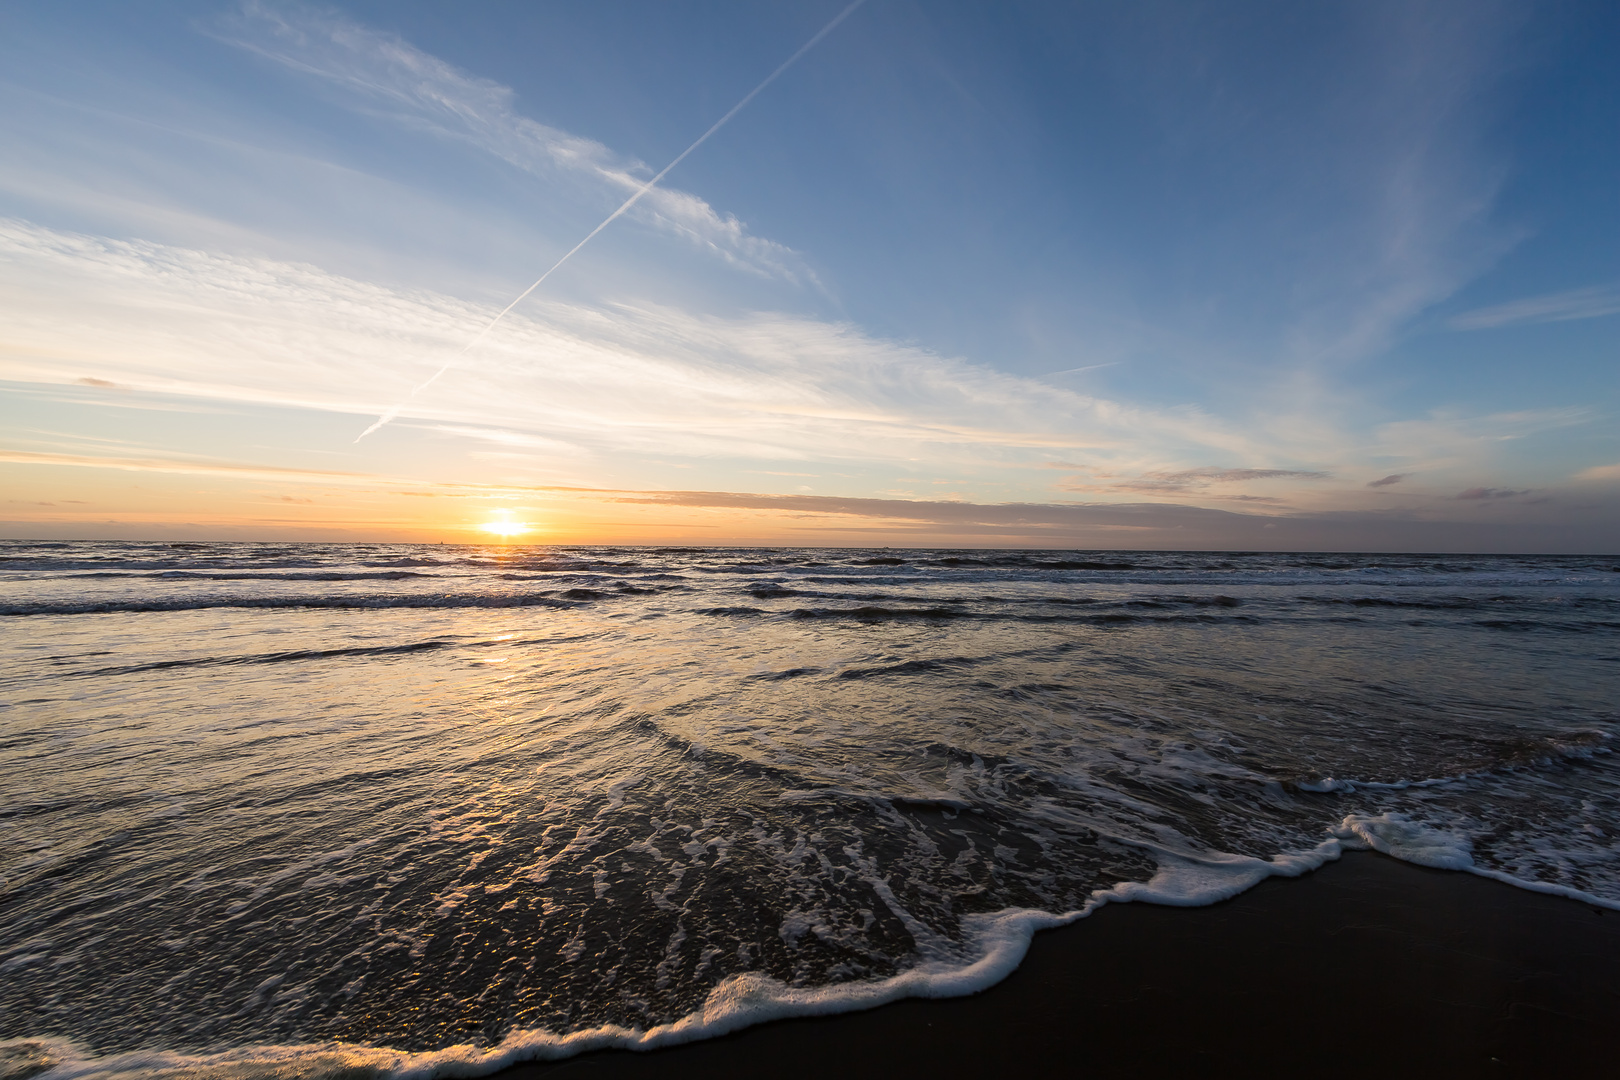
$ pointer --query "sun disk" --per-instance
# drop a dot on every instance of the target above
(504, 528)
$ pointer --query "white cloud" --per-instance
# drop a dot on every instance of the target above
(581, 393)
(1425, 184)
(1448, 440)
(382, 73)
(1600, 472)
(637, 379)
(1589, 303)
(133, 463)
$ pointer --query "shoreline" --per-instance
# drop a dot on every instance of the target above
(1366, 963)
(1365, 966)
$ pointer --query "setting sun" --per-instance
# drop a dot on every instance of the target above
(504, 528)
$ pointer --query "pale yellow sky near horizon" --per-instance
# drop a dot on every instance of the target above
(59, 496)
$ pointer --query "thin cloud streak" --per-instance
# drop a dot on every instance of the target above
(420, 91)
(1426, 182)
(611, 218)
(175, 465)
(1199, 480)
(1590, 303)
(774, 387)
(1478, 493)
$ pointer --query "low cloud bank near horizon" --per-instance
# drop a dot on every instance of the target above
(241, 495)
(1151, 525)
(826, 521)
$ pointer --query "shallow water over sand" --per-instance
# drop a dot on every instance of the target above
(277, 795)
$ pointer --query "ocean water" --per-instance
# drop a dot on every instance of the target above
(401, 810)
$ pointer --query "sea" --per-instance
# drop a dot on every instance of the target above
(392, 810)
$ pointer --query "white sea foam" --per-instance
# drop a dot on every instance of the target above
(1409, 841)
(1198, 881)
(996, 944)
(1414, 842)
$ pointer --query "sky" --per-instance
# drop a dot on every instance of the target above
(1157, 275)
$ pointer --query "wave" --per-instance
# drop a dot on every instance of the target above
(306, 575)
(229, 561)
(910, 667)
(292, 656)
(811, 579)
(357, 602)
(869, 613)
(172, 574)
(879, 614)
(141, 567)
(1510, 755)
(787, 673)
(990, 560)
(1031, 564)
(776, 591)
(733, 612)
(1068, 610)
(1592, 627)
(1442, 603)
(877, 607)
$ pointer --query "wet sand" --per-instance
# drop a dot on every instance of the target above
(1366, 966)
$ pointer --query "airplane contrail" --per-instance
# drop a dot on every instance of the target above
(611, 218)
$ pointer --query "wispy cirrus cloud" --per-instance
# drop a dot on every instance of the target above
(1474, 494)
(562, 376)
(577, 393)
(1212, 475)
(1592, 302)
(1417, 187)
(1192, 481)
(383, 74)
(1445, 439)
(179, 465)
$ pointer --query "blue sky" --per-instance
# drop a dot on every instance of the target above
(1146, 275)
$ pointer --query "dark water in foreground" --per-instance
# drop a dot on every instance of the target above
(255, 799)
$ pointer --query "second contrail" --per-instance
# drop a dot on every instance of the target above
(611, 218)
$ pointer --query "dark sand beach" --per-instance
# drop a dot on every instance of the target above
(1367, 966)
